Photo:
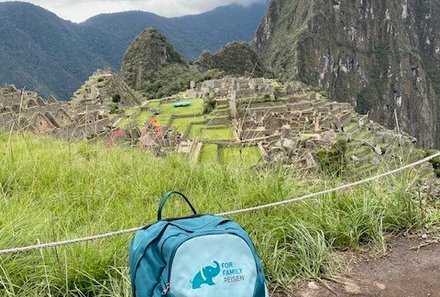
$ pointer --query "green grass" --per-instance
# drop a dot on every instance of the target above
(181, 124)
(196, 131)
(196, 107)
(191, 114)
(211, 133)
(167, 109)
(52, 190)
(124, 123)
(132, 111)
(142, 118)
(217, 133)
(275, 84)
(245, 155)
(154, 103)
(223, 107)
(209, 154)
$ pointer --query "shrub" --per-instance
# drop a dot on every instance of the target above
(333, 161)
(116, 98)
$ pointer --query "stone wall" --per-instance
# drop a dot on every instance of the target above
(302, 113)
(237, 88)
(23, 110)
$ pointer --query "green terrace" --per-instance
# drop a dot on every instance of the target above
(230, 155)
(211, 133)
(190, 121)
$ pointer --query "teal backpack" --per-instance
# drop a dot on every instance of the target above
(196, 256)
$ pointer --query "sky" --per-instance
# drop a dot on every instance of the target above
(80, 10)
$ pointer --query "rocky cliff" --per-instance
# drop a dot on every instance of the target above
(381, 56)
(236, 59)
(148, 53)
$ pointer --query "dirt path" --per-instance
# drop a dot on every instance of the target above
(406, 271)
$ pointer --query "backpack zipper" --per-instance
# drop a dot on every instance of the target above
(166, 289)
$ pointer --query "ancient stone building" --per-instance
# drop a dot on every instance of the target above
(109, 89)
(296, 124)
(27, 111)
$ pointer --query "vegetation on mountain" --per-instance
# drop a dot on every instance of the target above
(334, 160)
(436, 164)
(153, 67)
(81, 189)
(149, 53)
(40, 51)
(175, 78)
(382, 57)
(236, 59)
(190, 35)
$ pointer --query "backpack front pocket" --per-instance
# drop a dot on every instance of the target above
(215, 265)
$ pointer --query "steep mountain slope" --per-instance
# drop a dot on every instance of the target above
(381, 56)
(236, 59)
(144, 59)
(38, 50)
(153, 67)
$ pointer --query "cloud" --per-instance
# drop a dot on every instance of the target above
(80, 10)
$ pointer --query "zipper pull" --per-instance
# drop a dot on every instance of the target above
(166, 289)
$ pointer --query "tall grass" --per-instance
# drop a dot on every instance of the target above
(52, 190)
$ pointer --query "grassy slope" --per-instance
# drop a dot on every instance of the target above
(51, 190)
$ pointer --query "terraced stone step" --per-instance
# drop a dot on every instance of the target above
(221, 112)
(218, 120)
(222, 107)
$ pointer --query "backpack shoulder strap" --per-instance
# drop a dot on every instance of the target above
(140, 242)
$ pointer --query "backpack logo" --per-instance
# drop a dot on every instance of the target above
(206, 276)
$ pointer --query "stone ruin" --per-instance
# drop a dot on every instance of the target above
(86, 116)
(27, 111)
(114, 96)
(307, 123)
(292, 123)
(296, 116)
(238, 88)
(151, 136)
(109, 90)
(289, 123)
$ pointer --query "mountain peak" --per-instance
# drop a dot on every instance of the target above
(149, 52)
(39, 50)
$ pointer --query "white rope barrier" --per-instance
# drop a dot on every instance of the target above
(233, 212)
